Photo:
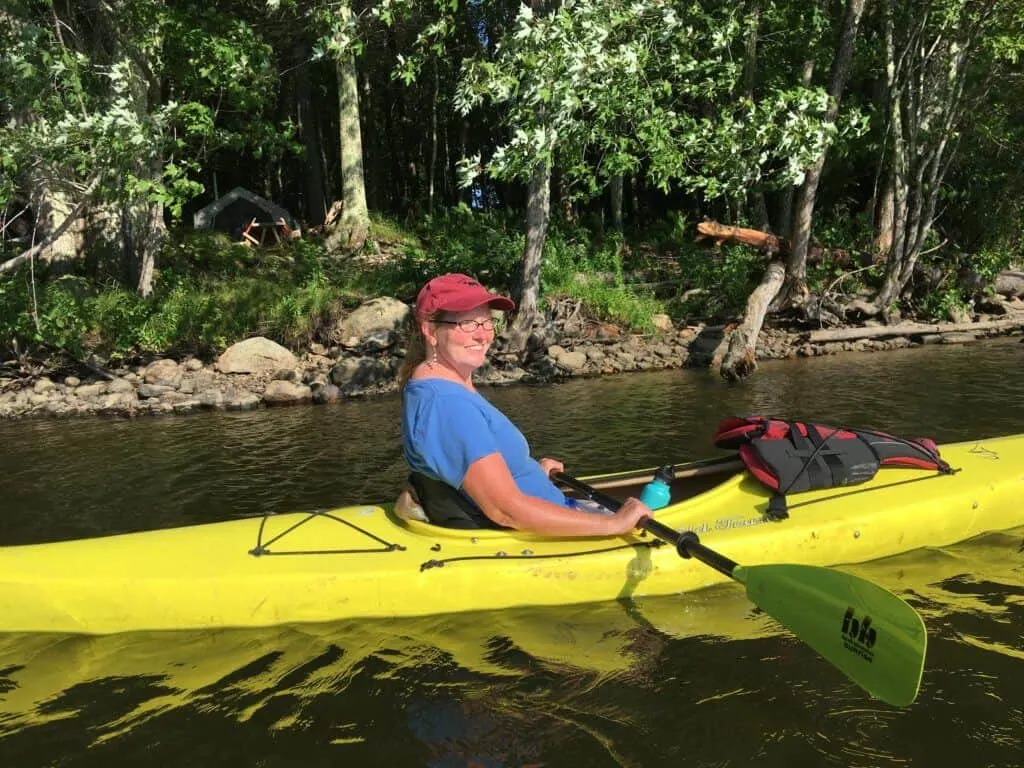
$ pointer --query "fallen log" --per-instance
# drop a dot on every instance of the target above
(771, 244)
(911, 329)
(740, 358)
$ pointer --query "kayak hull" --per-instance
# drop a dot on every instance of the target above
(365, 562)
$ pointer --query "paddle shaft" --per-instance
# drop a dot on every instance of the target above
(687, 543)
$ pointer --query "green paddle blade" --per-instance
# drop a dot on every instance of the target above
(871, 635)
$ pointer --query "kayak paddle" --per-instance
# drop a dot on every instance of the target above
(871, 635)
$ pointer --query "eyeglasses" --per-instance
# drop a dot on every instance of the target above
(470, 326)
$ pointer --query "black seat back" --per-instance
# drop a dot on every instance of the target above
(447, 506)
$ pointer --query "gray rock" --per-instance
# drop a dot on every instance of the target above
(38, 398)
(383, 314)
(120, 385)
(254, 355)
(326, 393)
(357, 372)
(285, 374)
(193, 365)
(119, 401)
(72, 381)
(573, 361)
(242, 400)
(210, 398)
(165, 372)
(173, 397)
(90, 391)
(286, 393)
(662, 322)
(43, 385)
(958, 338)
(154, 390)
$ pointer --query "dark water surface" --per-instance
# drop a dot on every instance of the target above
(700, 680)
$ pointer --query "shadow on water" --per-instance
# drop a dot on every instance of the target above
(701, 680)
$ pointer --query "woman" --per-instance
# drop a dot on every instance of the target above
(453, 435)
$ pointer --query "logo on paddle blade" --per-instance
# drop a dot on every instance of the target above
(858, 635)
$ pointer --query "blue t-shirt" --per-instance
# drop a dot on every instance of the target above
(446, 427)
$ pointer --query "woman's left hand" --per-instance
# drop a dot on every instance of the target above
(551, 465)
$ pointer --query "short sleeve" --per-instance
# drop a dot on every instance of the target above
(449, 434)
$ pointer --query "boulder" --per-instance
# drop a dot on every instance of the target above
(255, 355)
(662, 322)
(376, 322)
(120, 385)
(358, 372)
(164, 372)
(286, 393)
(573, 361)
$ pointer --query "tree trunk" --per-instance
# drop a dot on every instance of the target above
(538, 211)
(741, 357)
(884, 217)
(786, 199)
(796, 264)
(309, 130)
(615, 193)
(755, 199)
(55, 207)
(433, 139)
(925, 75)
(354, 225)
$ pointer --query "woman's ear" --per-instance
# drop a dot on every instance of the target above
(429, 331)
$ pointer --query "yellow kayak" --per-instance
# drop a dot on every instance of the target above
(366, 562)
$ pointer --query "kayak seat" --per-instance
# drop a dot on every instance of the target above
(446, 506)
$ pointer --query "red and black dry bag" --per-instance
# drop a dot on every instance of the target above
(794, 456)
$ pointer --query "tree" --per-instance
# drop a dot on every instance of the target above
(604, 87)
(354, 225)
(95, 136)
(796, 262)
(929, 46)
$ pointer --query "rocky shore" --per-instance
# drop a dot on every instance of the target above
(366, 352)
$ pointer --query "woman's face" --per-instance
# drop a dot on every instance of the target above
(462, 339)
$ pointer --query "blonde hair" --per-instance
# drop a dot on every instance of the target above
(416, 350)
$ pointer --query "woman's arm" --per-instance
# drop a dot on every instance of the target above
(489, 483)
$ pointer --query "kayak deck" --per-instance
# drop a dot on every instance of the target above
(364, 561)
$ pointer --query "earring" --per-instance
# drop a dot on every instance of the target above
(433, 359)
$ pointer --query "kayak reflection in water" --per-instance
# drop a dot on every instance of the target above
(471, 467)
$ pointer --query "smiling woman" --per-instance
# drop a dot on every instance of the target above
(471, 467)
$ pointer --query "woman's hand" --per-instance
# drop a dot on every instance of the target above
(629, 515)
(551, 465)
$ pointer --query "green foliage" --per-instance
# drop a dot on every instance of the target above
(945, 303)
(644, 87)
(596, 274)
(487, 245)
(212, 294)
(724, 275)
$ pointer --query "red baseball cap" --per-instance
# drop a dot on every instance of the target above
(457, 293)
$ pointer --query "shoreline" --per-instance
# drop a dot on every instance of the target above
(258, 373)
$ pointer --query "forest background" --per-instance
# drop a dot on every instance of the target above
(554, 148)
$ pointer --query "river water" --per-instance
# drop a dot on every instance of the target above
(698, 680)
